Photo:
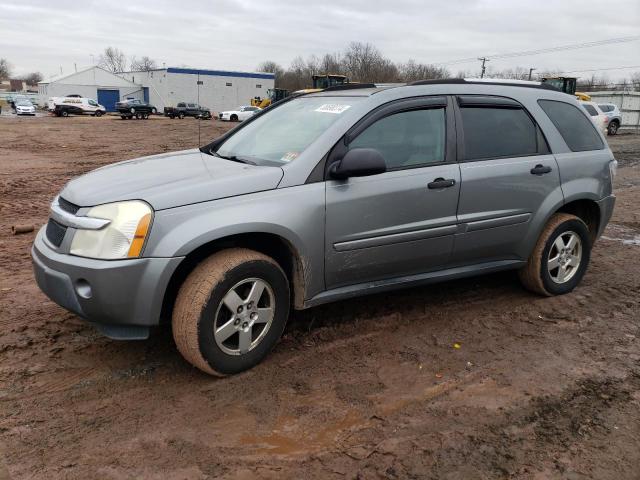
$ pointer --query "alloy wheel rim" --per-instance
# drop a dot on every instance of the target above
(565, 257)
(244, 316)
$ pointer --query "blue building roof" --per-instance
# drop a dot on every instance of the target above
(221, 73)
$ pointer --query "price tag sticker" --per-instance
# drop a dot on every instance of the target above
(332, 108)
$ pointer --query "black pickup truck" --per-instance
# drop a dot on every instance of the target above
(135, 108)
(183, 109)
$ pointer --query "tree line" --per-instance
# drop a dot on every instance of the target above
(363, 62)
(31, 79)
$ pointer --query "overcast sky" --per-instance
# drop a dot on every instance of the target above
(46, 35)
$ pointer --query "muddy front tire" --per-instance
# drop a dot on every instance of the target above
(231, 311)
(560, 258)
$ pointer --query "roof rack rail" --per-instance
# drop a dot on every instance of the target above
(482, 82)
(349, 86)
(438, 81)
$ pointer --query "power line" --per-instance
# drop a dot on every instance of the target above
(600, 69)
(574, 46)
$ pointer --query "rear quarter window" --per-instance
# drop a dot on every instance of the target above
(576, 129)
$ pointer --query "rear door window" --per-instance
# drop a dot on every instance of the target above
(576, 129)
(590, 110)
(606, 108)
(494, 132)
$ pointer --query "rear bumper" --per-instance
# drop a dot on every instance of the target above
(606, 206)
(123, 298)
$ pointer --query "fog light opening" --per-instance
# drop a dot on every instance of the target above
(83, 288)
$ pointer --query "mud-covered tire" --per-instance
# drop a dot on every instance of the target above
(535, 275)
(199, 299)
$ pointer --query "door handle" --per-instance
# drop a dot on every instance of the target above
(441, 183)
(540, 169)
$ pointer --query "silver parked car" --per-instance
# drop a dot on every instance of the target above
(614, 117)
(25, 107)
(324, 197)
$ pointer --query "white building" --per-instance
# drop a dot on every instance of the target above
(216, 89)
(94, 82)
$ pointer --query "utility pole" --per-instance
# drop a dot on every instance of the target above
(483, 60)
(531, 71)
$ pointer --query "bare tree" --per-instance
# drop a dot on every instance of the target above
(635, 81)
(113, 60)
(145, 64)
(365, 63)
(412, 71)
(33, 78)
(269, 66)
(5, 69)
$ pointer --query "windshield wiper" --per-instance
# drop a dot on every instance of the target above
(233, 158)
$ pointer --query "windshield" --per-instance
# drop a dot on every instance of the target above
(24, 103)
(282, 134)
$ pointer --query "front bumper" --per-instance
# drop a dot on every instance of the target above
(606, 206)
(123, 298)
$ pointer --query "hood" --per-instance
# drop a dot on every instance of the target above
(170, 180)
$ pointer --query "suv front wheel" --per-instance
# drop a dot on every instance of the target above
(560, 257)
(231, 311)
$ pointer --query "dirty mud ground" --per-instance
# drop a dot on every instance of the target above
(369, 388)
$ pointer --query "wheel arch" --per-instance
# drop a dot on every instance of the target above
(270, 244)
(588, 211)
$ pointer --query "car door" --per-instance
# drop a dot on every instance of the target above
(401, 222)
(245, 112)
(508, 177)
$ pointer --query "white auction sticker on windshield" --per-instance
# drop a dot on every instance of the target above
(332, 108)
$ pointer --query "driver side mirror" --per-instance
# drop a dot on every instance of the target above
(359, 162)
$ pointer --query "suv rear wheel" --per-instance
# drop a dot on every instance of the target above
(231, 311)
(612, 129)
(560, 257)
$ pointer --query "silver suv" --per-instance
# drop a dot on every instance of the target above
(614, 117)
(327, 196)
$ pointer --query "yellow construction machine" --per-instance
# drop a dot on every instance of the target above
(566, 85)
(325, 80)
(273, 95)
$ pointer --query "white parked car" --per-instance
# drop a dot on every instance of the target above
(25, 107)
(240, 114)
(598, 117)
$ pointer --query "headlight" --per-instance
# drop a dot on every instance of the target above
(123, 237)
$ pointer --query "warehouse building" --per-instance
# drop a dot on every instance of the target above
(216, 89)
(94, 82)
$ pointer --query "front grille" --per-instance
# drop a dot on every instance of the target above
(55, 232)
(68, 206)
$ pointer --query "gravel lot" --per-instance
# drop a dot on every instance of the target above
(369, 388)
